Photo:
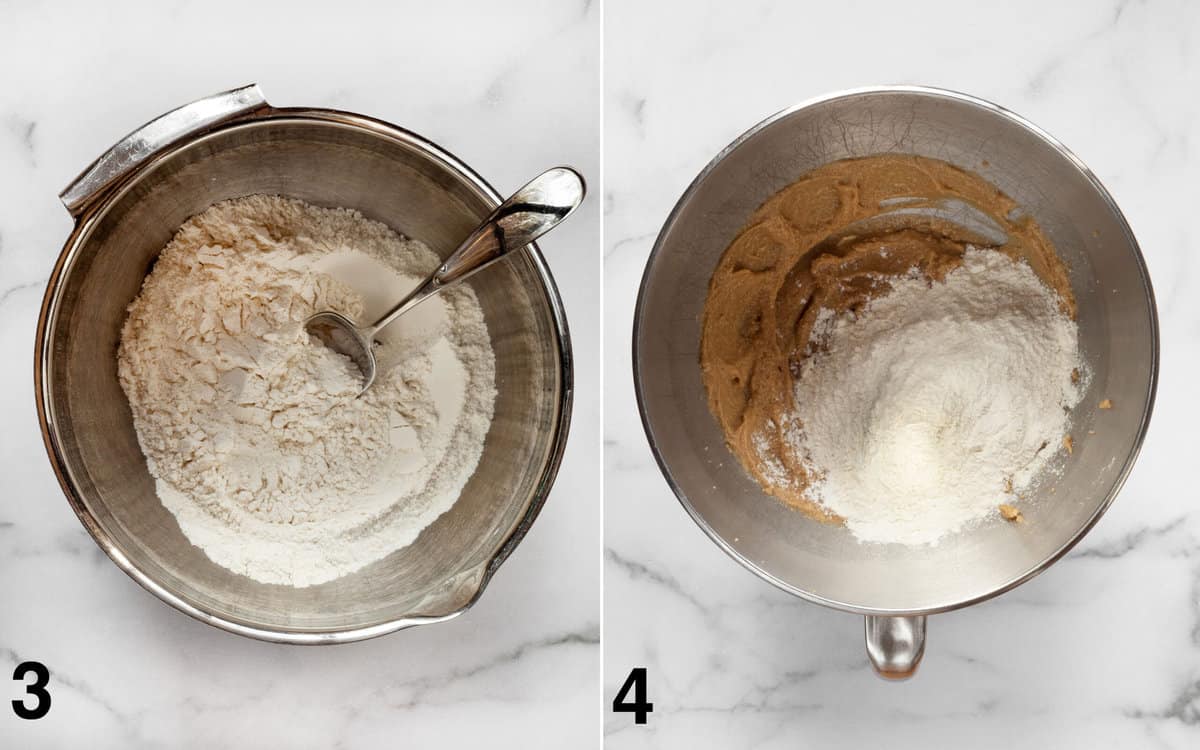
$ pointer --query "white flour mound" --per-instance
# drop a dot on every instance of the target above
(253, 431)
(918, 413)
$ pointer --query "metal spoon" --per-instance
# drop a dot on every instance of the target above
(531, 212)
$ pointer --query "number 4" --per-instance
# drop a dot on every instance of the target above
(639, 707)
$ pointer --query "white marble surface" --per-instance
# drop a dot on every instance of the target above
(1101, 651)
(511, 89)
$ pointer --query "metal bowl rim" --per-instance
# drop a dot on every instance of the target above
(48, 319)
(995, 110)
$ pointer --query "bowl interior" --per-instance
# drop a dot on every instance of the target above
(1116, 324)
(390, 177)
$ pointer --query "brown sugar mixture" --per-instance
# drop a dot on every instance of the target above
(799, 254)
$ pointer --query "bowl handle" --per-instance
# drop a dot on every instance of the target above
(143, 143)
(895, 645)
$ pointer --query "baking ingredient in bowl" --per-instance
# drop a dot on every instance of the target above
(255, 434)
(916, 412)
(814, 261)
(1011, 513)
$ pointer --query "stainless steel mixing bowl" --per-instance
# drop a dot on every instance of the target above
(896, 586)
(128, 205)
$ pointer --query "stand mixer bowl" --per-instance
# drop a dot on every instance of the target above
(897, 586)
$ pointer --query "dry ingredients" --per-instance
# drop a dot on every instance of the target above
(855, 380)
(259, 445)
(919, 410)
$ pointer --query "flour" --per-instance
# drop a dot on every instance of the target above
(938, 401)
(259, 444)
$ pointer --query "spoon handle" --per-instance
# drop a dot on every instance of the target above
(528, 214)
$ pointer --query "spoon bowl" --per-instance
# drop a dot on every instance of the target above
(340, 334)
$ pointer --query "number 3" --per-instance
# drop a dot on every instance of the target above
(37, 689)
